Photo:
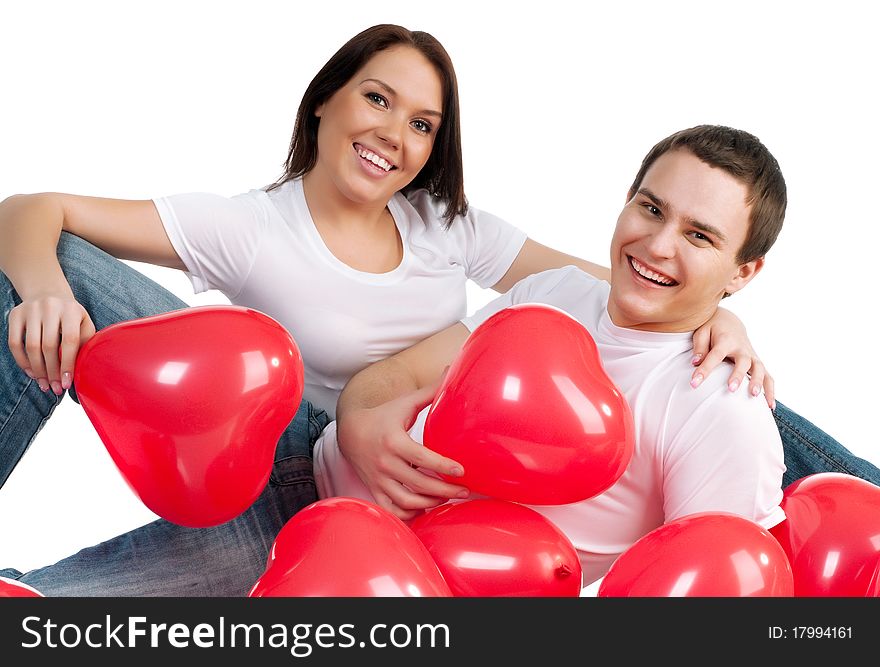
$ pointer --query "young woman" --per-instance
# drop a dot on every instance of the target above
(361, 248)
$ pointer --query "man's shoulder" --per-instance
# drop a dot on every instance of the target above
(568, 288)
(564, 278)
(712, 406)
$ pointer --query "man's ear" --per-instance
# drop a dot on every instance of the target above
(744, 275)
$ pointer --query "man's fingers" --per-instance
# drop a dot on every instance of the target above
(406, 499)
(410, 451)
(429, 485)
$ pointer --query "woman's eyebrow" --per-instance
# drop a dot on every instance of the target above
(388, 89)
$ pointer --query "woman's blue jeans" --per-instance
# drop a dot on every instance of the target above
(161, 558)
(164, 559)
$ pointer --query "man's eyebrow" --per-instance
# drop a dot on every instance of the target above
(388, 89)
(659, 202)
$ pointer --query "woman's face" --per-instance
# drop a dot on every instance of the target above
(377, 131)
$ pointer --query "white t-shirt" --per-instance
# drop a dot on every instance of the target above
(703, 449)
(262, 251)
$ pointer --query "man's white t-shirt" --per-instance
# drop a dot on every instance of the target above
(696, 450)
(263, 251)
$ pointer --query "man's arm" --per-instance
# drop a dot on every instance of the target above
(376, 409)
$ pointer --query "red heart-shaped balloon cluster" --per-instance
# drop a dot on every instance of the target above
(10, 588)
(496, 548)
(708, 554)
(347, 547)
(190, 405)
(529, 411)
(831, 534)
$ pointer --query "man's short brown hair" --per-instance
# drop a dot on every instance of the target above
(744, 157)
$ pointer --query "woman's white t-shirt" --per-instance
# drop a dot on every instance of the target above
(262, 250)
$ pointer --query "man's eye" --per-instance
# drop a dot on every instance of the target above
(702, 238)
(376, 98)
(653, 210)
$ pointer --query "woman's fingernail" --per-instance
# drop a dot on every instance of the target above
(773, 407)
(43, 384)
(733, 384)
(27, 371)
(456, 471)
(66, 380)
(464, 493)
(696, 359)
(56, 388)
(756, 391)
(696, 380)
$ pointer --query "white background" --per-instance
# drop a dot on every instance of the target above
(558, 108)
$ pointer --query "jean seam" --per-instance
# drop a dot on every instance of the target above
(32, 437)
(808, 444)
(14, 407)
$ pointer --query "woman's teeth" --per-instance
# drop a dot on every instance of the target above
(375, 159)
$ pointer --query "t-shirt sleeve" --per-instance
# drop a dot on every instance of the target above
(493, 246)
(216, 237)
(486, 244)
(727, 457)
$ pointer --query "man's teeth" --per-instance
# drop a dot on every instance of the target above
(650, 275)
(375, 159)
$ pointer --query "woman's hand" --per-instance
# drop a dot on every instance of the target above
(724, 337)
(399, 472)
(45, 334)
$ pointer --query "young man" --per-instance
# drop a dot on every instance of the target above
(704, 209)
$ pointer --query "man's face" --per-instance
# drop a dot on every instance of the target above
(673, 254)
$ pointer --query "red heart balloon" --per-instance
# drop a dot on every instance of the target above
(708, 554)
(496, 548)
(831, 534)
(190, 405)
(529, 411)
(10, 588)
(347, 547)
(873, 589)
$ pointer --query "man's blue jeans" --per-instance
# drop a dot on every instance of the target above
(163, 559)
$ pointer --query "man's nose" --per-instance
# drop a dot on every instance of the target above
(663, 241)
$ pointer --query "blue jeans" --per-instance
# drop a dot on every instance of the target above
(161, 558)
(808, 450)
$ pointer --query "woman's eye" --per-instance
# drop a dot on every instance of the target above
(422, 126)
(376, 98)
